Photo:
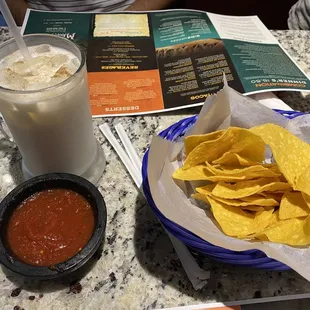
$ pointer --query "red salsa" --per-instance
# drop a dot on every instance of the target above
(50, 227)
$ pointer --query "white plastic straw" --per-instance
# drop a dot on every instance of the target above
(15, 31)
(135, 174)
(128, 147)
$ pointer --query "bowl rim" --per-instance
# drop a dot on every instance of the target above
(49, 181)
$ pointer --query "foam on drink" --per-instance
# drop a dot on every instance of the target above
(52, 65)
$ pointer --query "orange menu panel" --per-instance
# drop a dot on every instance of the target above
(125, 92)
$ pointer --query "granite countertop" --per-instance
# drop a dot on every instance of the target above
(138, 267)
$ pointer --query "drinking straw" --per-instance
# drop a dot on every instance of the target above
(128, 146)
(15, 31)
(135, 174)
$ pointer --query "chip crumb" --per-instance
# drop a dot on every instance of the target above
(75, 288)
(16, 292)
(257, 294)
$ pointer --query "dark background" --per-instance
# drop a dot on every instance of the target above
(273, 13)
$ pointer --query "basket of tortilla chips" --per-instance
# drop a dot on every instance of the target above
(253, 183)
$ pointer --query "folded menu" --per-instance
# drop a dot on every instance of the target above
(147, 62)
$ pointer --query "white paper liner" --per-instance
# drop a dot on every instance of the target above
(227, 108)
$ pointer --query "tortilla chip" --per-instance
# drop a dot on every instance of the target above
(291, 232)
(262, 202)
(233, 221)
(252, 208)
(232, 159)
(273, 195)
(293, 205)
(248, 173)
(249, 146)
(196, 173)
(302, 183)
(290, 153)
(263, 219)
(248, 188)
(225, 178)
(192, 142)
(206, 190)
(306, 198)
(272, 220)
(211, 150)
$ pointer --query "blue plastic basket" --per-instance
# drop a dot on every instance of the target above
(250, 258)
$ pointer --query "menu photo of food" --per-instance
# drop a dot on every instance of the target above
(121, 25)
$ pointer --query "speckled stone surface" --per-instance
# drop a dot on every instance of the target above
(138, 267)
(297, 44)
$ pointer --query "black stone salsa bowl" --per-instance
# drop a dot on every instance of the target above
(45, 182)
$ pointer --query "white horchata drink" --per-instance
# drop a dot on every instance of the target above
(47, 107)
